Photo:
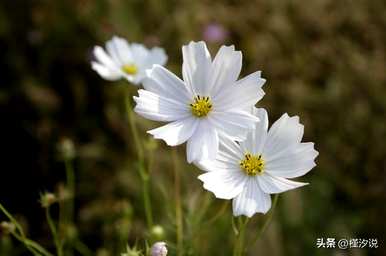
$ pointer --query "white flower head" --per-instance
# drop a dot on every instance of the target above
(208, 102)
(124, 60)
(159, 249)
(248, 172)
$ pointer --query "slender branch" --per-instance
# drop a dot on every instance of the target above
(32, 246)
(54, 232)
(219, 213)
(178, 211)
(239, 244)
(141, 161)
(267, 221)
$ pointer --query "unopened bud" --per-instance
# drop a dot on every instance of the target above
(66, 148)
(159, 249)
(7, 227)
(157, 232)
(47, 199)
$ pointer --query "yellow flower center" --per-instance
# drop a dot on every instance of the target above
(252, 165)
(201, 106)
(130, 69)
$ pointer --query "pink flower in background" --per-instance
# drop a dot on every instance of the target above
(215, 33)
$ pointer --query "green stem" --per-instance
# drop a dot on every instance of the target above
(54, 232)
(13, 220)
(141, 161)
(32, 246)
(219, 213)
(177, 191)
(239, 244)
(82, 248)
(267, 221)
(29, 244)
(71, 187)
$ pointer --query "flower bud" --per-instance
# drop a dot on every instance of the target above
(157, 232)
(7, 227)
(159, 249)
(66, 148)
(47, 199)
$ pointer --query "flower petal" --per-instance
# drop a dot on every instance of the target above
(225, 69)
(203, 144)
(225, 184)
(245, 93)
(255, 139)
(293, 162)
(272, 185)
(140, 54)
(119, 50)
(105, 72)
(196, 67)
(177, 132)
(103, 59)
(228, 157)
(251, 200)
(156, 55)
(234, 123)
(166, 84)
(284, 133)
(158, 108)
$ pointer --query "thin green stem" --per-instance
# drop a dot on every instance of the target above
(51, 224)
(82, 248)
(240, 237)
(32, 246)
(141, 162)
(29, 244)
(13, 220)
(219, 213)
(70, 175)
(178, 211)
(267, 221)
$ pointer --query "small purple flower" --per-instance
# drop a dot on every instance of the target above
(214, 33)
(159, 249)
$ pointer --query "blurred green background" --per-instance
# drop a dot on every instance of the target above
(324, 60)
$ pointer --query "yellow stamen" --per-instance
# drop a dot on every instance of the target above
(201, 106)
(252, 164)
(130, 69)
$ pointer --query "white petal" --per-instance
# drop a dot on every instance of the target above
(119, 50)
(166, 84)
(225, 69)
(256, 138)
(203, 144)
(245, 93)
(156, 55)
(105, 72)
(230, 149)
(140, 54)
(102, 57)
(228, 157)
(196, 67)
(251, 200)
(158, 108)
(293, 162)
(225, 184)
(234, 123)
(284, 133)
(272, 185)
(176, 132)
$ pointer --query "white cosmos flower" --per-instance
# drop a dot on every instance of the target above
(248, 172)
(207, 103)
(124, 60)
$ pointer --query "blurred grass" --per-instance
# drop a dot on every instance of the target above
(324, 61)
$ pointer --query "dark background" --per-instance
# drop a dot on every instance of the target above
(324, 60)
